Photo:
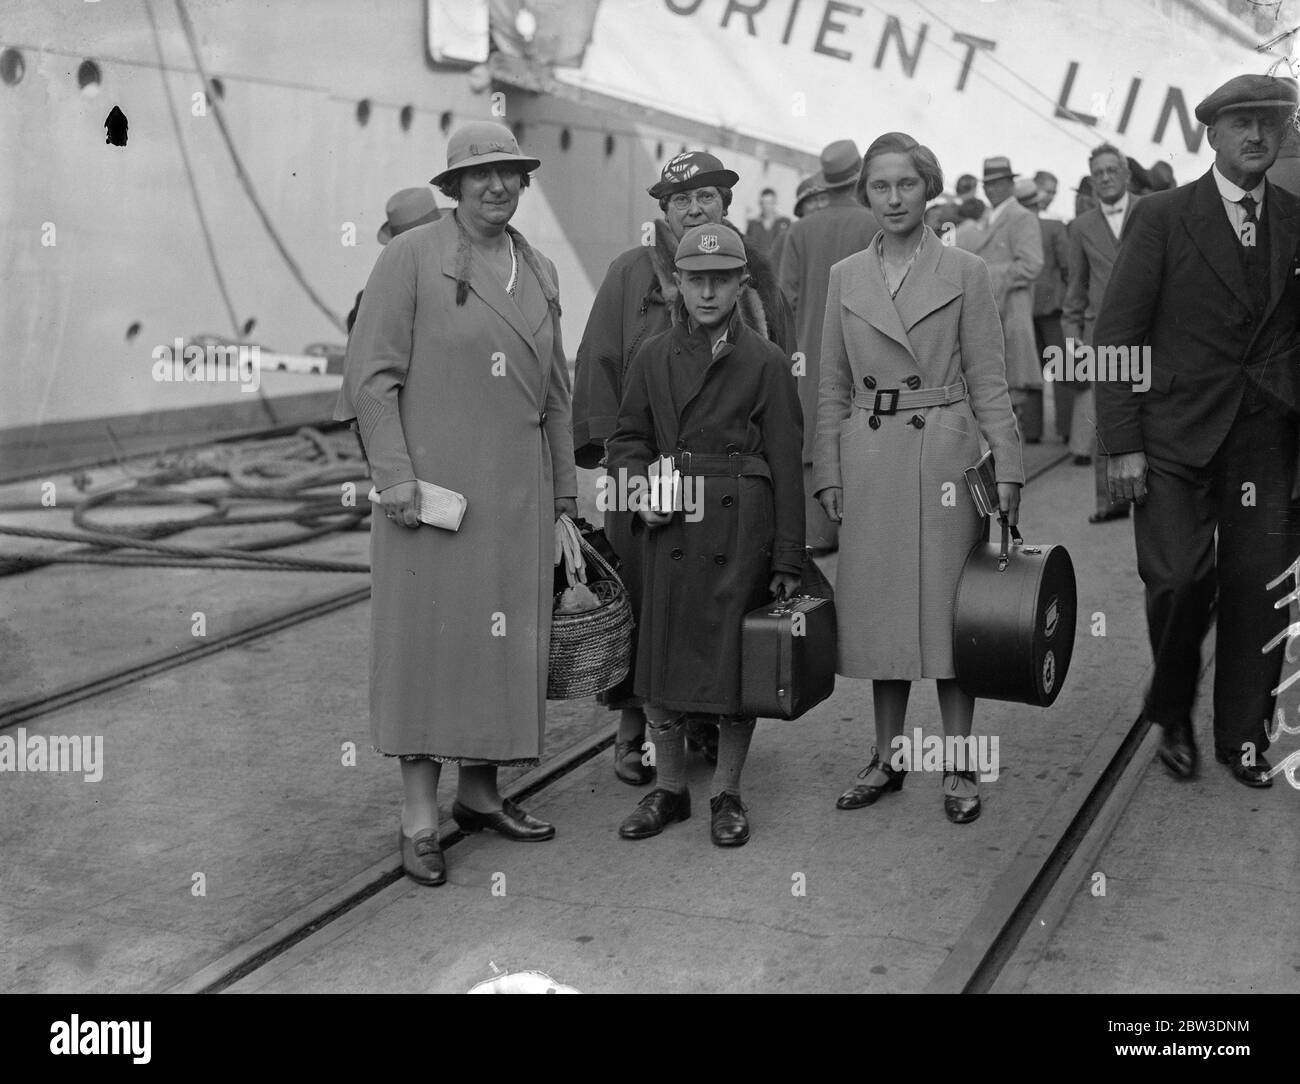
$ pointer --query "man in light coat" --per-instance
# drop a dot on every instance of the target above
(1009, 240)
(1094, 244)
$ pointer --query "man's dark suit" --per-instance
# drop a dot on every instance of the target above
(1219, 428)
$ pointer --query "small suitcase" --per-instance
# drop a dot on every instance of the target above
(787, 662)
(1013, 621)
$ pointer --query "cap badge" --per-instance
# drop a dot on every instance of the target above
(709, 242)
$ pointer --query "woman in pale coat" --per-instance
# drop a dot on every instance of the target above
(456, 375)
(912, 374)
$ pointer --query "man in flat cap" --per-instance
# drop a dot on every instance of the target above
(1204, 434)
(812, 246)
(633, 304)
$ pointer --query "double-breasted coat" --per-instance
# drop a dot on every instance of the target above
(700, 578)
(634, 303)
(476, 398)
(909, 521)
(1012, 247)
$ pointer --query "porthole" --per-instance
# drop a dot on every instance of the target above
(444, 122)
(405, 117)
(609, 145)
(12, 67)
(217, 87)
(566, 137)
(363, 111)
(89, 77)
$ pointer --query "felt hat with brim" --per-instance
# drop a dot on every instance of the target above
(1025, 190)
(841, 164)
(1249, 92)
(998, 169)
(808, 187)
(691, 170)
(712, 246)
(407, 209)
(481, 143)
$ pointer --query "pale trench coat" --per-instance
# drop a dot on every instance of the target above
(909, 520)
(1012, 247)
(475, 398)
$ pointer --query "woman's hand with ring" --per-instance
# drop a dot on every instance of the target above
(401, 503)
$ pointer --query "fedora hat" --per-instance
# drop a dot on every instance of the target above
(480, 143)
(841, 164)
(407, 209)
(1025, 190)
(807, 189)
(998, 169)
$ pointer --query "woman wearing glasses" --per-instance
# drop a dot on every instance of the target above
(632, 305)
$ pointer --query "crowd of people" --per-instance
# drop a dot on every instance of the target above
(828, 378)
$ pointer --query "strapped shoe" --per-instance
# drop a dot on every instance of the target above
(422, 856)
(864, 794)
(509, 821)
(655, 812)
(957, 809)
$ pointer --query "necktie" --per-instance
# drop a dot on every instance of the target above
(1249, 237)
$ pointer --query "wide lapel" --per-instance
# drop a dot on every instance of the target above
(692, 337)
(1092, 225)
(531, 304)
(924, 290)
(1210, 231)
(485, 282)
(863, 292)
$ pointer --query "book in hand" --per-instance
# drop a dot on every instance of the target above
(439, 507)
(983, 485)
(665, 485)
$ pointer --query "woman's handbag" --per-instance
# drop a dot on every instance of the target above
(591, 650)
(1013, 621)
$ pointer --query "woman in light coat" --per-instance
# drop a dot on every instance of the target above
(912, 374)
(456, 375)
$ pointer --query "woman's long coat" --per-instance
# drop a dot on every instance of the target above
(700, 578)
(475, 398)
(909, 520)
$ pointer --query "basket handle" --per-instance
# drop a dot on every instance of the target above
(592, 555)
(1008, 533)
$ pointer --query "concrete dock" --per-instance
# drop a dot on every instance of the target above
(240, 803)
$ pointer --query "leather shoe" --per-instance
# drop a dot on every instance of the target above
(1253, 775)
(729, 826)
(629, 766)
(1120, 512)
(1178, 750)
(422, 856)
(655, 812)
(960, 810)
(863, 794)
(509, 821)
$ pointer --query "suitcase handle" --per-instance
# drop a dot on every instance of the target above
(1008, 533)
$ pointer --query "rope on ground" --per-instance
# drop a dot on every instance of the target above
(281, 469)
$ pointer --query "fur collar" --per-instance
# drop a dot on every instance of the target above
(754, 298)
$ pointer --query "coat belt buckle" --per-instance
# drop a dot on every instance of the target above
(892, 395)
(683, 460)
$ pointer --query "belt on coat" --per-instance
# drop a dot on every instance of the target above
(892, 400)
(719, 465)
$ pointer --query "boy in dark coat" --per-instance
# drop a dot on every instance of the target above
(721, 400)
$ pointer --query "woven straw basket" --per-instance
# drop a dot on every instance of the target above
(592, 651)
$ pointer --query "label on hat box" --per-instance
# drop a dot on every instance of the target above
(1049, 671)
(1051, 619)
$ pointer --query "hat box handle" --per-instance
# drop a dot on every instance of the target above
(1008, 533)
